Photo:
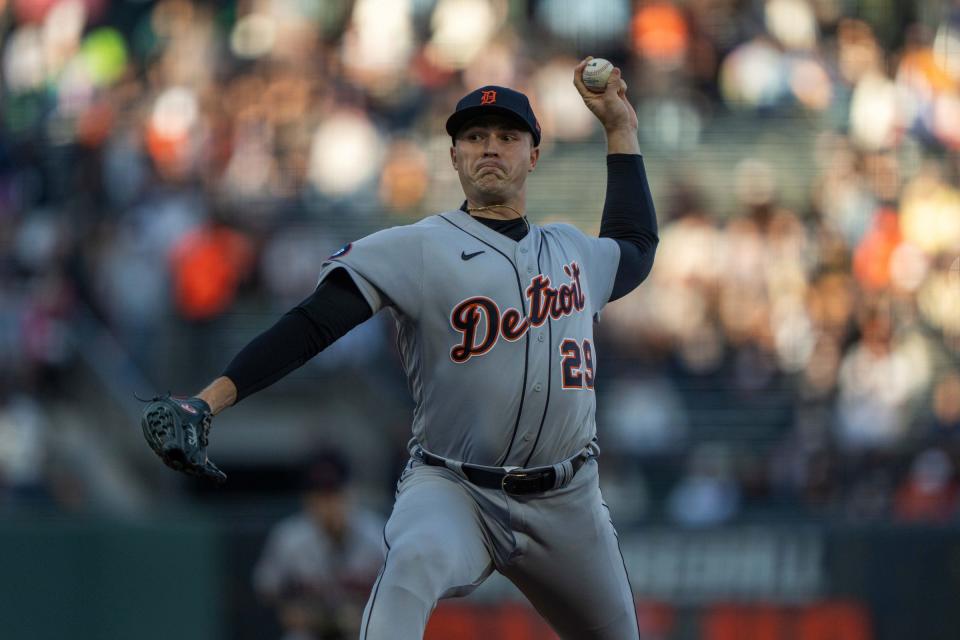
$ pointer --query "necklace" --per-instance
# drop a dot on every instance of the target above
(504, 206)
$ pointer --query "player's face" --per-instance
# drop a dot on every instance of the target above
(493, 156)
(328, 509)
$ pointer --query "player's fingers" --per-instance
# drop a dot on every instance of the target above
(632, 113)
(578, 75)
(614, 81)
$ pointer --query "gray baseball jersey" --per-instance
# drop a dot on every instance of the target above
(496, 336)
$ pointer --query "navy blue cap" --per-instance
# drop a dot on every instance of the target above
(494, 99)
(326, 471)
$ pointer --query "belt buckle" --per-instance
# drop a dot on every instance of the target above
(510, 480)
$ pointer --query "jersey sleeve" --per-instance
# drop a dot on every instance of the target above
(601, 258)
(602, 262)
(386, 266)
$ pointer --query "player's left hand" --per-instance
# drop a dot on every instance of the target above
(177, 429)
(611, 107)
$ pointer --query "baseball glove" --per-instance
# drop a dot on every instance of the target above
(177, 430)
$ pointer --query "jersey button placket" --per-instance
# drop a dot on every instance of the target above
(539, 358)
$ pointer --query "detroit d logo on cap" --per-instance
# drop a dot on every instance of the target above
(488, 97)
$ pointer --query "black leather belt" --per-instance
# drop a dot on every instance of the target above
(516, 482)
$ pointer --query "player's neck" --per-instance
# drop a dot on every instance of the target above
(498, 210)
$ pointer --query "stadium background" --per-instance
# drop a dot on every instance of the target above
(779, 404)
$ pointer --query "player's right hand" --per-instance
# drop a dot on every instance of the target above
(177, 429)
(611, 107)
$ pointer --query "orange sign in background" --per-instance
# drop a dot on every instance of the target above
(828, 620)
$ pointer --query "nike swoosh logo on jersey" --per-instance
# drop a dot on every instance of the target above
(466, 256)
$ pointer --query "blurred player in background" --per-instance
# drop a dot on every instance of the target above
(318, 564)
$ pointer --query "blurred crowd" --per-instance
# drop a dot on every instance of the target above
(170, 164)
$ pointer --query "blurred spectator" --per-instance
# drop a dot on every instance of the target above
(317, 567)
(208, 264)
(929, 492)
(643, 416)
(23, 450)
(660, 34)
(946, 406)
(877, 379)
(708, 494)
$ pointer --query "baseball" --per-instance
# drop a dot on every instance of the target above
(596, 73)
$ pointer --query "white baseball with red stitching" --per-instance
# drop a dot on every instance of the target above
(596, 74)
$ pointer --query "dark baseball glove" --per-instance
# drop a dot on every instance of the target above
(177, 430)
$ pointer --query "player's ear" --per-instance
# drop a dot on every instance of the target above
(534, 157)
(453, 156)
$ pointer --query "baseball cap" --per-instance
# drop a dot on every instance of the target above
(326, 471)
(494, 99)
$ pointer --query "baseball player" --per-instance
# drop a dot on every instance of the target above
(495, 330)
(318, 564)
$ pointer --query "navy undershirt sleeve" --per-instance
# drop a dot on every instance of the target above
(333, 309)
(629, 218)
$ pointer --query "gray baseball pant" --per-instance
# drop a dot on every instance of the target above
(446, 535)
